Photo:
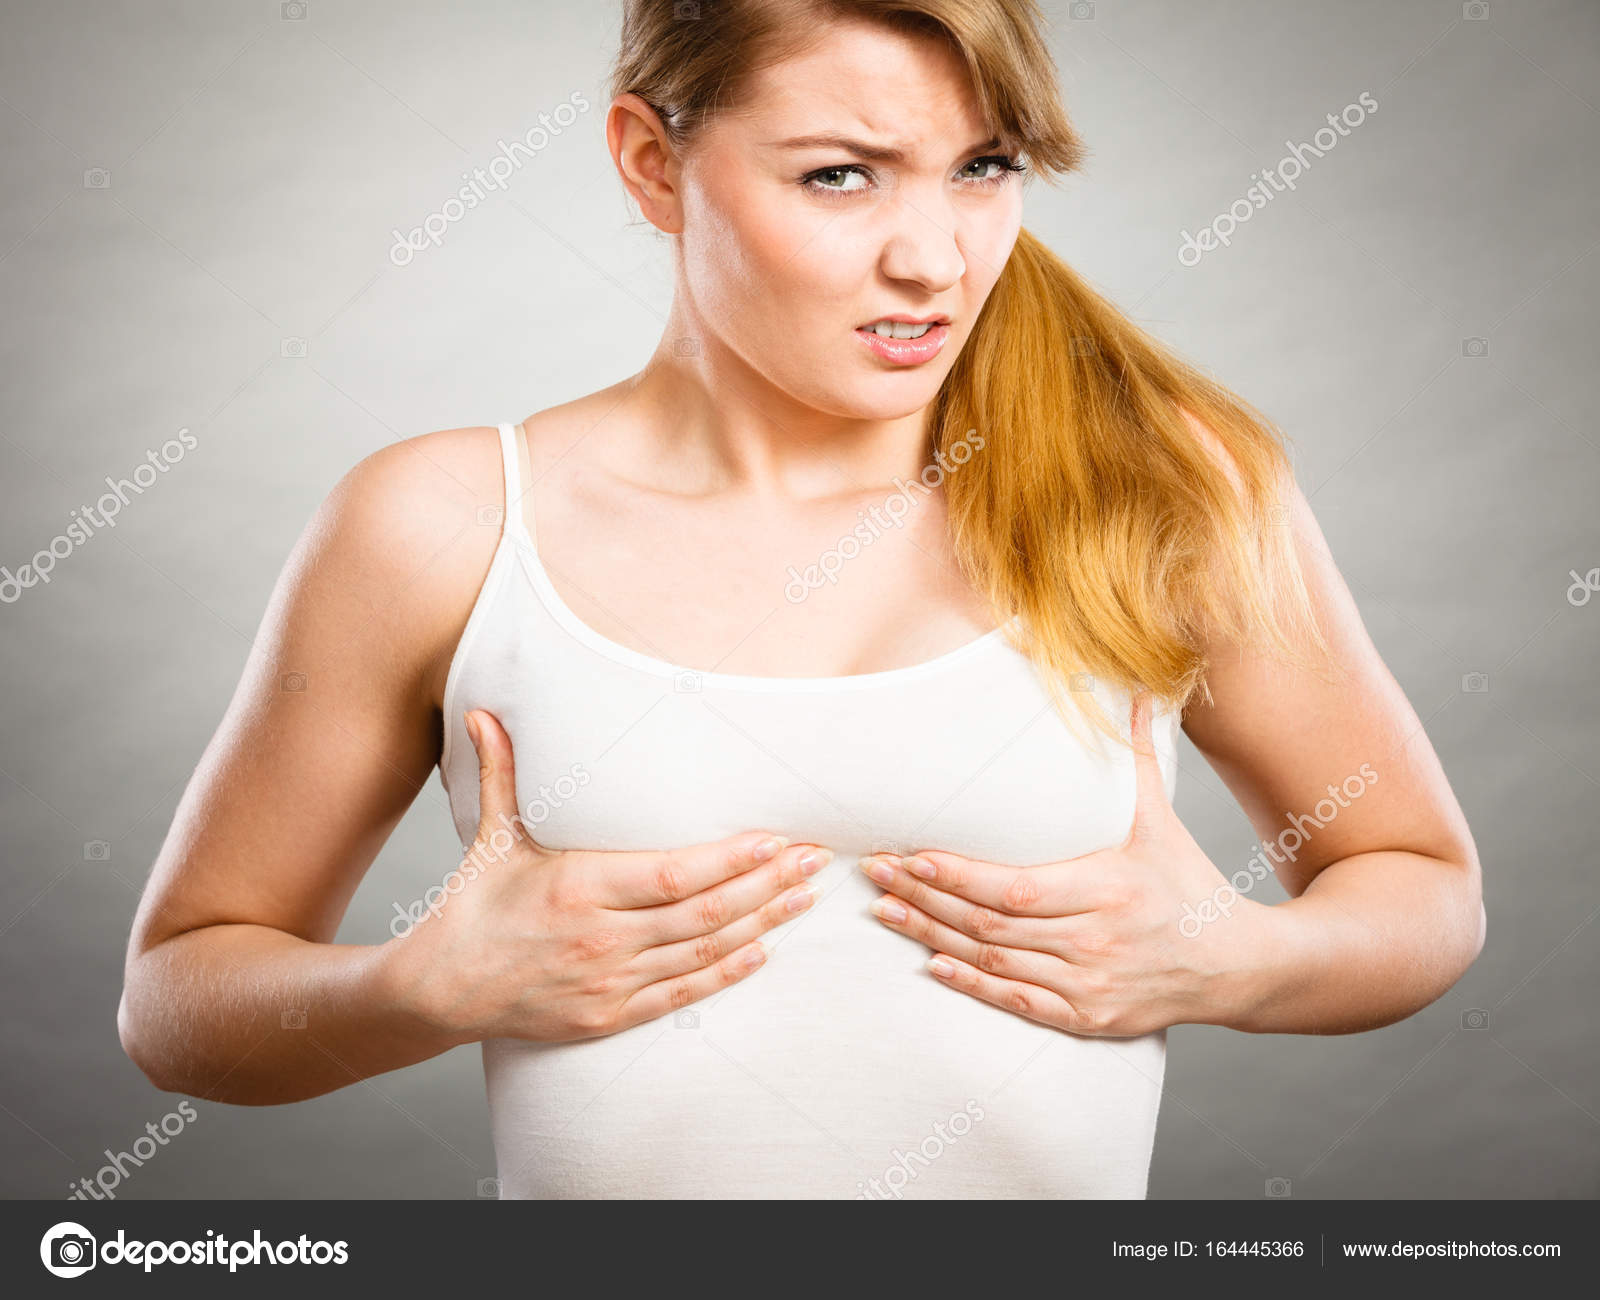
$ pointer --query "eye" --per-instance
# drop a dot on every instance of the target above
(1007, 167)
(822, 179)
(831, 181)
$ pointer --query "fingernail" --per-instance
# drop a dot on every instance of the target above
(769, 848)
(919, 867)
(890, 910)
(879, 871)
(801, 899)
(472, 728)
(754, 958)
(813, 861)
(941, 966)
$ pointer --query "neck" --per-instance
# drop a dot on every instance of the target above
(708, 421)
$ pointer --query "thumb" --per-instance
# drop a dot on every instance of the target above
(497, 776)
(1151, 807)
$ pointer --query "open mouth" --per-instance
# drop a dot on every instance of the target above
(902, 329)
(904, 343)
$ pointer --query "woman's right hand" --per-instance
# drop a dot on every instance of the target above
(554, 946)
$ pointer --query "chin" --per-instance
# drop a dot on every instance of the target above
(873, 399)
(869, 392)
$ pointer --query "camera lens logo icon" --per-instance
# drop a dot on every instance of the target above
(67, 1250)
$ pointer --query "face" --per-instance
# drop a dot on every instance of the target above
(792, 245)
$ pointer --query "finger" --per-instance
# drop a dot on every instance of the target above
(1011, 995)
(978, 920)
(653, 878)
(497, 775)
(1054, 889)
(1150, 804)
(679, 991)
(686, 955)
(712, 909)
(996, 958)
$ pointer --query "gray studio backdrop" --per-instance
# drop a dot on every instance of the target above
(199, 204)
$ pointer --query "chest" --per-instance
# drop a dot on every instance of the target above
(825, 591)
(969, 757)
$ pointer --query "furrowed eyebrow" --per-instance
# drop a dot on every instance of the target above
(871, 152)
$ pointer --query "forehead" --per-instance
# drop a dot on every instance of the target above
(871, 81)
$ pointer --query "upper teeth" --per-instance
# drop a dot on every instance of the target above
(894, 329)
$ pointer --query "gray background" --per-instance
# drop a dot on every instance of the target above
(257, 167)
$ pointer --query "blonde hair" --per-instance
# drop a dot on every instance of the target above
(1126, 507)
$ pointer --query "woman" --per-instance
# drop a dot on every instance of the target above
(823, 681)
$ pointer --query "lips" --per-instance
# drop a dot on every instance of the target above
(905, 352)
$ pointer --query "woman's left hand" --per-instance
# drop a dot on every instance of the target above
(1092, 944)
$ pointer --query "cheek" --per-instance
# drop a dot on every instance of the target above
(773, 284)
(750, 264)
(987, 241)
(715, 257)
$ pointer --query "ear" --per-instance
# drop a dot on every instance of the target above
(1151, 807)
(644, 160)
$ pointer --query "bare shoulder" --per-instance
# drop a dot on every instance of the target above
(561, 435)
(402, 544)
(425, 480)
(1212, 443)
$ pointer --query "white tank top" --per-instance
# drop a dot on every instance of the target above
(842, 1068)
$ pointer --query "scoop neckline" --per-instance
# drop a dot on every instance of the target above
(582, 631)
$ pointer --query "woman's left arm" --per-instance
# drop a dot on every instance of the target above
(1335, 772)
(1386, 909)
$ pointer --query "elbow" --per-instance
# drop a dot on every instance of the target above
(143, 1043)
(137, 1046)
(1476, 917)
(1480, 928)
(176, 1057)
(1458, 923)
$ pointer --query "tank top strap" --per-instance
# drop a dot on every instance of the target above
(518, 502)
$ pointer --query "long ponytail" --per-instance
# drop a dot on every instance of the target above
(1126, 506)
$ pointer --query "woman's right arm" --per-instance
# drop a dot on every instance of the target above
(327, 741)
(234, 989)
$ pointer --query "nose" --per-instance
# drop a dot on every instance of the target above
(923, 248)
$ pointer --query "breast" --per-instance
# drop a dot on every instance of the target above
(841, 1068)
